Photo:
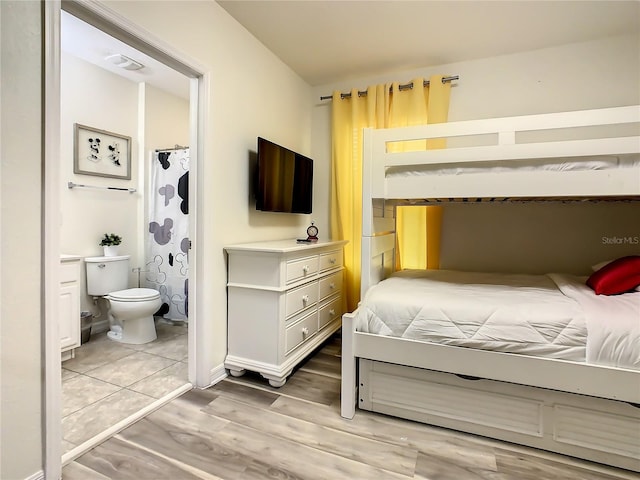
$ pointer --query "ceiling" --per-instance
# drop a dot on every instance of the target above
(92, 45)
(328, 41)
(332, 41)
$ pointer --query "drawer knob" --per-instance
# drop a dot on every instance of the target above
(305, 298)
(332, 285)
(305, 269)
(332, 312)
(332, 261)
(305, 331)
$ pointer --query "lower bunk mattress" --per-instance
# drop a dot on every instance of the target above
(551, 316)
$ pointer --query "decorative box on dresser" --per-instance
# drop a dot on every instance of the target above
(284, 300)
(69, 315)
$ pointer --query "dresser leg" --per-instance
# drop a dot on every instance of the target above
(276, 382)
(237, 373)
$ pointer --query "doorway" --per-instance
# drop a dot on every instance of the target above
(101, 19)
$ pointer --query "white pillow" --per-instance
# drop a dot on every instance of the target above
(598, 266)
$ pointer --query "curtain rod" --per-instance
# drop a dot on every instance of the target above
(401, 87)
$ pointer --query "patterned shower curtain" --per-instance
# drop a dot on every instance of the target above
(167, 244)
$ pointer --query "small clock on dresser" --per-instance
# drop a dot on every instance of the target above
(312, 233)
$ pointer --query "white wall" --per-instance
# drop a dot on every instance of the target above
(595, 74)
(566, 238)
(20, 242)
(166, 121)
(251, 93)
(99, 99)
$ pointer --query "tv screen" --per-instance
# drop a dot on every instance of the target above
(285, 179)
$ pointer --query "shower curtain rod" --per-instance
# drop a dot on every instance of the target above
(175, 147)
(401, 87)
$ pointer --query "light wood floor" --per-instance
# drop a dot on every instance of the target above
(244, 429)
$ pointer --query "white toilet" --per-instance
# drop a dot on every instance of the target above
(131, 308)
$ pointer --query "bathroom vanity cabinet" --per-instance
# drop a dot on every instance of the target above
(69, 304)
(284, 300)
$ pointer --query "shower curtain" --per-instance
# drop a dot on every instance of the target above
(167, 244)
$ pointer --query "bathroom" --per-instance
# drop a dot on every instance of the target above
(107, 380)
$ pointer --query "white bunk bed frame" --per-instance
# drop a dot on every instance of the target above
(587, 411)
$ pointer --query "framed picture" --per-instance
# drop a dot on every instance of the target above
(101, 153)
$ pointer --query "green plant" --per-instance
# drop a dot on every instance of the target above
(110, 239)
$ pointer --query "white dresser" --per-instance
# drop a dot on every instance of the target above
(69, 315)
(284, 299)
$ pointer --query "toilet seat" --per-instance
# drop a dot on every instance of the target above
(134, 295)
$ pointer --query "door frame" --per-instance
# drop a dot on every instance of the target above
(117, 26)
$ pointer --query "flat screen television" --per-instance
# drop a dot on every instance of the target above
(284, 179)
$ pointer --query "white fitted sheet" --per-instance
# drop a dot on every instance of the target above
(553, 316)
(514, 313)
(555, 165)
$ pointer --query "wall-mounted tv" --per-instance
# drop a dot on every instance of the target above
(285, 179)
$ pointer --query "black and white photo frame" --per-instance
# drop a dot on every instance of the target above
(101, 153)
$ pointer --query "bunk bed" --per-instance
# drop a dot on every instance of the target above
(572, 402)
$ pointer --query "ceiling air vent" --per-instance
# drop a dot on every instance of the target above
(123, 61)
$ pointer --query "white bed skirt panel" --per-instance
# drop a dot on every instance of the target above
(595, 429)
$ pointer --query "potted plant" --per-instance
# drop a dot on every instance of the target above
(110, 243)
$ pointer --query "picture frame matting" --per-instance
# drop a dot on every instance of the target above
(101, 153)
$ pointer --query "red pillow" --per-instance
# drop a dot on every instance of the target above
(616, 277)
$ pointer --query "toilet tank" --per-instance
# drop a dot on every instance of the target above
(107, 274)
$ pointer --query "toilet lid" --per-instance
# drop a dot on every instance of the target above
(134, 294)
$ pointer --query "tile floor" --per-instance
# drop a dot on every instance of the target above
(108, 381)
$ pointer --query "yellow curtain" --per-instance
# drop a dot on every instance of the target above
(418, 228)
(349, 117)
(380, 109)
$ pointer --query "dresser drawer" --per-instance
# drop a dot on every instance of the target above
(301, 331)
(301, 269)
(330, 285)
(330, 260)
(329, 312)
(300, 298)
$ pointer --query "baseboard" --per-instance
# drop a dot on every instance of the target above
(217, 374)
(39, 475)
(99, 327)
